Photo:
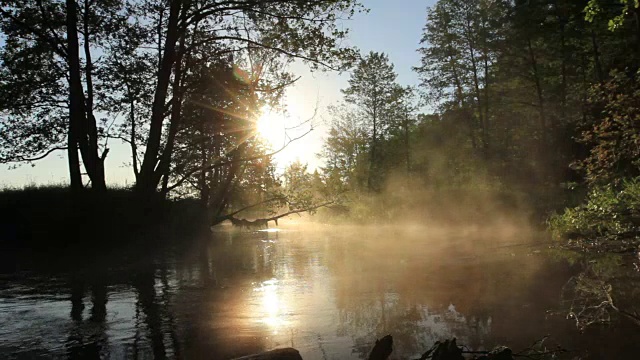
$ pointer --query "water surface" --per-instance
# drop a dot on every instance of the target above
(329, 292)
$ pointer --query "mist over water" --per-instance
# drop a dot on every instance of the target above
(328, 291)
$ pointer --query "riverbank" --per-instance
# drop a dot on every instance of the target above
(52, 220)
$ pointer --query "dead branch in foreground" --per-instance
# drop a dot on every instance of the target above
(450, 350)
(446, 350)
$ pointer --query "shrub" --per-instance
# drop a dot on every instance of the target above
(610, 213)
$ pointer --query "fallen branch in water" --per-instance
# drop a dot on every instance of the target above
(590, 300)
(264, 222)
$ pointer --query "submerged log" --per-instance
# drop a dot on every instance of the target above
(277, 354)
(447, 350)
(382, 349)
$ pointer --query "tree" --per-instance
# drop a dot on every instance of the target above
(459, 53)
(517, 75)
(215, 131)
(62, 38)
(346, 150)
(137, 55)
(303, 30)
(406, 113)
(374, 92)
(299, 192)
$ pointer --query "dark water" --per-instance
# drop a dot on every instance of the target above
(328, 292)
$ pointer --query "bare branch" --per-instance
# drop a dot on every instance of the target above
(24, 159)
(262, 45)
(265, 221)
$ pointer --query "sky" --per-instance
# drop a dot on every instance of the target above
(392, 26)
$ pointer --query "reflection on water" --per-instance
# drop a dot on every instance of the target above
(271, 230)
(273, 307)
(328, 293)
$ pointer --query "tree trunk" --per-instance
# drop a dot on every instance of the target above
(97, 175)
(174, 120)
(133, 136)
(205, 190)
(203, 184)
(563, 69)
(148, 180)
(83, 131)
(538, 83)
(463, 107)
(372, 158)
(596, 57)
(75, 96)
(218, 200)
(476, 85)
(75, 176)
(487, 119)
(407, 149)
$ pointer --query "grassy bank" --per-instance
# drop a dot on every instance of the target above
(52, 218)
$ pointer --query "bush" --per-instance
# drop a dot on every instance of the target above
(610, 213)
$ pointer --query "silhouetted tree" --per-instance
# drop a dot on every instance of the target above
(106, 57)
(47, 63)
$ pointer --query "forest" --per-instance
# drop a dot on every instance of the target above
(535, 102)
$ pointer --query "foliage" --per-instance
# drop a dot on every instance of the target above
(613, 134)
(215, 135)
(626, 7)
(299, 186)
(519, 91)
(130, 64)
(514, 78)
(32, 101)
(459, 54)
(345, 150)
(609, 218)
(375, 108)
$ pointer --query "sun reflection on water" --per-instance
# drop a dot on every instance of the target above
(273, 305)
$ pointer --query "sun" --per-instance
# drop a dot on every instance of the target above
(271, 127)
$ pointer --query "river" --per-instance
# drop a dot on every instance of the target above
(327, 291)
